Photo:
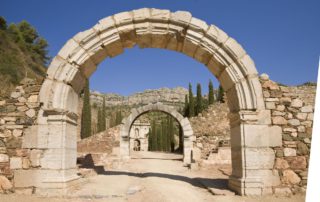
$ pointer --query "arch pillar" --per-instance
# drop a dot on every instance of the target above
(252, 137)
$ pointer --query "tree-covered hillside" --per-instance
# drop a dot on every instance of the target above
(23, 53)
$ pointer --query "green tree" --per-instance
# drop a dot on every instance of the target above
(103, 115)
(99, 120)
(28, 32)
(118, 117)
(186, 106)
(191, 102)
(220, 94)
(40, 46)
(199, 104)
(210, 94)
(3, 23)
(149, 135)
(86, 113)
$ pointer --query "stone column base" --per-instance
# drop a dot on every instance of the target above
(246, 186)
(48, 182)
(60, 189)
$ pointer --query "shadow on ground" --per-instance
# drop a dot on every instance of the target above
(222, 184)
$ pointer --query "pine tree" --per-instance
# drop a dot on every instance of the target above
(199, 104)
(191, 102)
(103, 115)
(220, 94)
(211, 94)
(86, 113)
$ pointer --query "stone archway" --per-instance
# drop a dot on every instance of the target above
(55, 134)
(188, 137)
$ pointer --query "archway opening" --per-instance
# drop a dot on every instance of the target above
(157, 132)
(154, 28)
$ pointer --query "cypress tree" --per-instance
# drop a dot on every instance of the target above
(86, 113)
(103, 115)
(186, 106)
(99, 120)
(199, 105)
(191, 102)
(154, 136)
(210, 94)
(220, 94)
(168, 134)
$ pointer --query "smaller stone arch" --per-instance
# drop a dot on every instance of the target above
(188, 137)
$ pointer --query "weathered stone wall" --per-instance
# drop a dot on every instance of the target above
(17, 113)
(292, 111)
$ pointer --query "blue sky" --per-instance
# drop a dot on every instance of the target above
(282, 37)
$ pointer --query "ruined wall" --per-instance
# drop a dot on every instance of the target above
(292, 111)
(17, 113)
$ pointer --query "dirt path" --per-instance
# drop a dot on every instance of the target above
(152, 177)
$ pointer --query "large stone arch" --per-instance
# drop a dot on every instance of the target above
(55, 134)
(188, 137)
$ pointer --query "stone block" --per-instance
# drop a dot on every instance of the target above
(26, 178)
(294, 122)
(25, 163)
(270, 85)
(259, 158)
(17, 132)
(6, 133)
(289, 152)
(5, 184)
(302, 149)
(310, 117)
(15, 163)
(302, 116)
(31, 113)
(36, 136)
(307, 109)
(297, 162)
(35, 156)
(281, 107)
(268, 177)
(270, 105)
(275, 136)
(4, 158)
(255, 135)
(296, 103)
(285, 101)
(279, 120)
(235, 48)
(290, 177)
(15, 95)
(281, 164)
(33, 98)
